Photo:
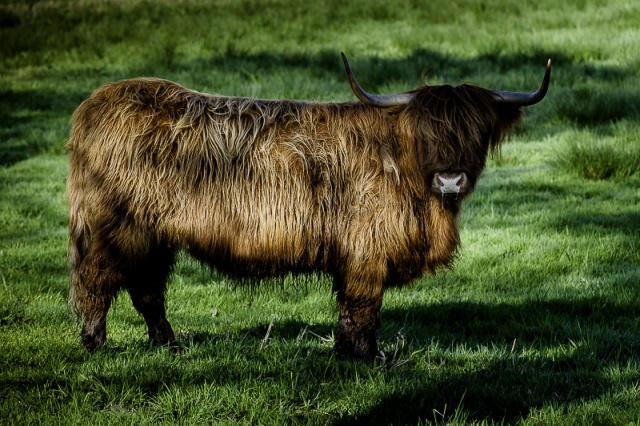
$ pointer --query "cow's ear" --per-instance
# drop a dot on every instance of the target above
(508, 119)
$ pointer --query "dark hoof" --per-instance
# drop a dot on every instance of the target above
(162, 335)
(365, 351)
(92, 342)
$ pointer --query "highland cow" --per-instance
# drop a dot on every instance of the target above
(366, 192)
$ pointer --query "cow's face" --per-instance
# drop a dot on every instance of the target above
(456, 128)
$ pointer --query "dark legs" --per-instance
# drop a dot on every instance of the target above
(97, 279)
(94, 284)
(147, 288)
(357, 323)
(100, 276)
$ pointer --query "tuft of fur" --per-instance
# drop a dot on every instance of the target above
(261, 188)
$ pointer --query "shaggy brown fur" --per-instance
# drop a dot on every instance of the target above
(260, 188)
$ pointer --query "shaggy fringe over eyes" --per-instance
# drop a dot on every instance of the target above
(467, 115)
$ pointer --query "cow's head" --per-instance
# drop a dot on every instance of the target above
(454, 127)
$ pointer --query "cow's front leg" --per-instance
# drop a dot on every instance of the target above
(357, 324)
(147, 286)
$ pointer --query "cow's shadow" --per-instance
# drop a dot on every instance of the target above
(490, 361)
(545, 352)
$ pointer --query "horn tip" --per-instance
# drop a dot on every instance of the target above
(345, 61)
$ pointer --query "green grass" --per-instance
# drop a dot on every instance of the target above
(538, 323)
(601, 156)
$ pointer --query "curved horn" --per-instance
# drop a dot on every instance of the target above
(380, 101)
(525, 99)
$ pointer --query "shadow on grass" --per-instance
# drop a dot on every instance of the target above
(495, 362)
(34, 121)
(509, 192)
(498, 361)
(624, 223)
(515, 358)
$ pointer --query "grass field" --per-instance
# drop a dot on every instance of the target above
(537, 324)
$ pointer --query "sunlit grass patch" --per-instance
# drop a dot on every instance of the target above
(594, 155)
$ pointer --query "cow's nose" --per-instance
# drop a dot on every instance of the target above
(450, 183)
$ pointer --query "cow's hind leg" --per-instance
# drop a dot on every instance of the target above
(95, 282)
(147, 286)
(359, 313)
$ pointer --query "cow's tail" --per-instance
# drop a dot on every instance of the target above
(79, 231)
